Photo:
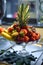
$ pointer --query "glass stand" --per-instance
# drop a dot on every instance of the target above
(23, 52)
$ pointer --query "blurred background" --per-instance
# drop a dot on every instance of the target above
(9, 7)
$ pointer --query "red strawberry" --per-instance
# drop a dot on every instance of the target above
(24, 30)
(20, 39)
(29, 33)
(32, 39)
(18, 29)
(34, 34)
(10, 29)
(26, 38)
(37, 36)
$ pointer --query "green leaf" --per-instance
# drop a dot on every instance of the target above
(26, 17)
(20, 13)
(25, 10)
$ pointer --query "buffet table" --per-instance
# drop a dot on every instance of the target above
(5, 44)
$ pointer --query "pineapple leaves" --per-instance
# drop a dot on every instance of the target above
(26, 9)
(23, 14)
(22, 6)
(26, 16)
(20, 12)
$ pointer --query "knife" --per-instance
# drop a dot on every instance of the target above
(37, 51)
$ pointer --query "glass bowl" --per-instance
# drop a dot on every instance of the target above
(21, 47)
(18, 46)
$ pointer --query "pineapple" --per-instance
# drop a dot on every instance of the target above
(23, 14)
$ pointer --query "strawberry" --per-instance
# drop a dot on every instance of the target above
(29, 33)
(10, 29)
(18, 29)
(37, 36)
(32, 39)
(20, 39)
(34, 34)
(23, 39)
(26, 38)
(24, 30)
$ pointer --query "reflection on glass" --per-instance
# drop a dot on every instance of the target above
(2, 9)
(12, 7)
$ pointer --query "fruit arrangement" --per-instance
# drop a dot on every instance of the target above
(19, 31)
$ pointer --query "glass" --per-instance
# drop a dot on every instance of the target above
(2, 9)
(23, 52)
(17, 46)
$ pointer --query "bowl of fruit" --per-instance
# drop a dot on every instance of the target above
(20, 34)
(20, 31)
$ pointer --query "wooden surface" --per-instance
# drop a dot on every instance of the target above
(40, 30)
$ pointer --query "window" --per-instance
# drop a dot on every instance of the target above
(32, 6)
(12, 7)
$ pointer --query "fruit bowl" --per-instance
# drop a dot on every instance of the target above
(20, 32)
(20, 47)
(27, 35)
